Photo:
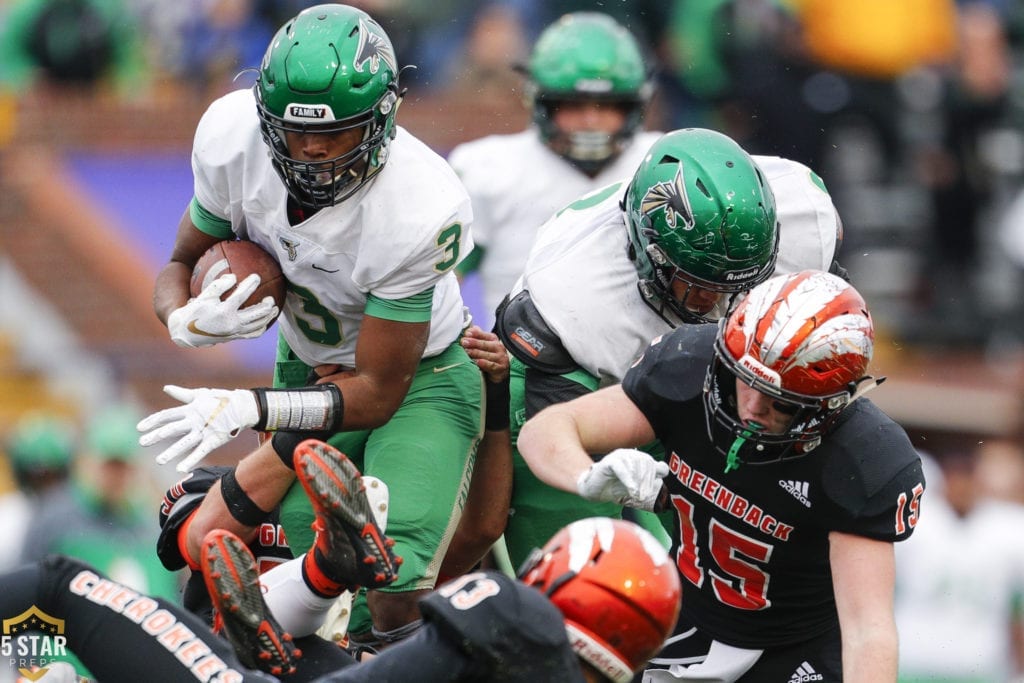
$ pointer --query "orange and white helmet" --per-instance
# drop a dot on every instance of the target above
(616, 587)
(806, 340)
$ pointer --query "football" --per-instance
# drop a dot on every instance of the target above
(242, 258)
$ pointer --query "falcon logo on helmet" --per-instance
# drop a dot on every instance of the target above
(671, 197)
(700, 216)
(373, 48)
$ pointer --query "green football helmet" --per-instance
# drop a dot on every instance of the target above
(701, 219)
(329, 69)
(587, 56)
(41, 448)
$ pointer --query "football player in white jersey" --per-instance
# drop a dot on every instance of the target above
(700, 222)
(587, 87)
(367, 224)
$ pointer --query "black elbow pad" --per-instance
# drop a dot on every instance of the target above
(527, 336)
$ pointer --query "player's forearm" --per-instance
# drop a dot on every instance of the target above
(870, 656)
(171, 289)
(550, 445)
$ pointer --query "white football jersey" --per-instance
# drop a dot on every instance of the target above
(584, 285)
(400, 234)
(516, 183)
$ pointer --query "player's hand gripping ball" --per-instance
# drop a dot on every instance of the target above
(242, 258)
(237, 292)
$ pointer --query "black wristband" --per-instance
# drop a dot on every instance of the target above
(496, 417)
(238, 502)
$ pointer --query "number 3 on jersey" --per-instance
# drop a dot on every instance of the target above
(449, 240)
(317, 323)
(469, 591)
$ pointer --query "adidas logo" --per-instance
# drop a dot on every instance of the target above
(805, 672)
(798, 489)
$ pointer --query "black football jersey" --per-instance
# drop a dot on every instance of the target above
(510, 630)
(752, 544)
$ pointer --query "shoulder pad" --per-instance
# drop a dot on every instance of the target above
(872, 473)
(674, 365)
(527, 337)
(494, 618)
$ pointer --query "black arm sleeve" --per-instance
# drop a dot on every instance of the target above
(543, 389)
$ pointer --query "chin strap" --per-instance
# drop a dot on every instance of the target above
(732, 458)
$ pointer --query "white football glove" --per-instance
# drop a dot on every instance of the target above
(209, 419)
(206, 320)
(625, 476)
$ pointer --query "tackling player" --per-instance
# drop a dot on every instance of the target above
(788, 487)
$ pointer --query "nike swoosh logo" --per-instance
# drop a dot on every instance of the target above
(194, 329)
(324, 270)
(442, 368)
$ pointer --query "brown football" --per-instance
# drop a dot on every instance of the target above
(242, 258)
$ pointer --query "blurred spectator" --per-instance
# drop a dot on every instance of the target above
(70, 43)
(960, 582)
(41, 451)
(1001, 470)
(103, 519)
(587, 88)
(962, 174)
(219, 39)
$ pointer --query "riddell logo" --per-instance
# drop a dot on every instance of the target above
(740, 275)
(759, 370)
